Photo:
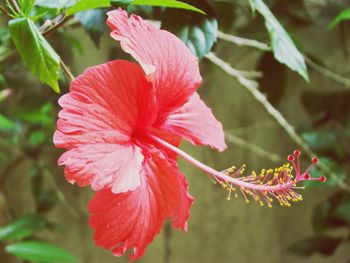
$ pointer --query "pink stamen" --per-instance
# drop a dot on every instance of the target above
(280, 185)
(297, 153)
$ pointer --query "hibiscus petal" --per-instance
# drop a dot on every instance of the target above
(176, 73)
(115, 165)
(196, 123)
(132, 219)
(105, 106)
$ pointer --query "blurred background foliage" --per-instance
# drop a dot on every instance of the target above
(295, 52)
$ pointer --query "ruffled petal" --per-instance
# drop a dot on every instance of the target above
(101, 164)
(196, 123)
(175, 69)
(105, 106)
(132, 219)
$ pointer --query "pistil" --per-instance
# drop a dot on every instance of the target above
(279, 182)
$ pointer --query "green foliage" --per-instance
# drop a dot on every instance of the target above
(26, 6)
(35, 51)
(37, 137)
(320, 140)
(39, 251)
(83, 5)
(6, 124)
(282, 45)
(342, 16)
(42, 116)
(94, 23)
(198, 32)
(59, 4)
(168, 3)
(22, 228)
(121, 3)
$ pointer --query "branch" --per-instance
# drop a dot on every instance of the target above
(261, 98)
(5, 12)
(240, 41)
(67, 71)
(51, 25)
(326, 72)
(241, 77)
(16, 6)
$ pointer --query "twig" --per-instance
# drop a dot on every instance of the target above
(16, 6)
(51, 25)
(261, 98)
(240, 41)
(67, 71)
(326, 72)
(252, 147)
(233, 72)
(4, 11)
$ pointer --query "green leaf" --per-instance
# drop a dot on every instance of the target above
(342, 16)
(198, 32)
(324, 245)
(37, 137)
(26, 6)
(35, 51)
(168, 3)
(59, 4)
(94, 23)
(6, 124)
(42, 117)
(21, 228)
(282, 45)
(39, 251)
(121, 3)
(320, 140)
(83, 5)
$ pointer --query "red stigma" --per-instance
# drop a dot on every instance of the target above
(297, 152)
(323, 179)
(314, 160)
(306, 176)
(291, 158)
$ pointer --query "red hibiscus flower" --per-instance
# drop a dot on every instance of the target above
(106, 123)
(121, 125)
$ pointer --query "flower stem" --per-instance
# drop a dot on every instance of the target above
(67, 71)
